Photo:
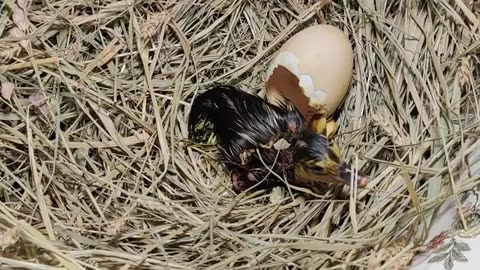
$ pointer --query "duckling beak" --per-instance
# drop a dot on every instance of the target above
(345, 174)
(340, 175)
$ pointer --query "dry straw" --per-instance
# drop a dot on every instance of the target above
(95, 174)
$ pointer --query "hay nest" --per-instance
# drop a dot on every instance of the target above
(94, 97)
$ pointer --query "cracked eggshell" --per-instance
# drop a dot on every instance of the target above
(313, 69)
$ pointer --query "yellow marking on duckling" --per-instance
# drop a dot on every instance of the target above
(312, 163)
(336, 150)
(212, 139)
(305, 175)
(301, 175)
(329, 166)
(330, 129)
(201, 125)
(321, 125)
(318, 125)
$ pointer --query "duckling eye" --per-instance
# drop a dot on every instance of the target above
(318, 169)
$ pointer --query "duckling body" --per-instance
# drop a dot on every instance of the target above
(247, 129)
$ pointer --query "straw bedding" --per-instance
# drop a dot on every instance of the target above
(95, 172)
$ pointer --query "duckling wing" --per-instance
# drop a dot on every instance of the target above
(239, 119)
(246, 128)
(243, 121)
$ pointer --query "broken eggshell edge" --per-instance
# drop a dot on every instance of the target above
(299, 88)
(305, 82)
(313, 69)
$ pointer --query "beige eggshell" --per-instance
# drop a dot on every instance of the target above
(313, 69)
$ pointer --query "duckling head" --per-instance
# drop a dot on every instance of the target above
(319, 160)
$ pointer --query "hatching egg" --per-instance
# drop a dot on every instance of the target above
(313, 69)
